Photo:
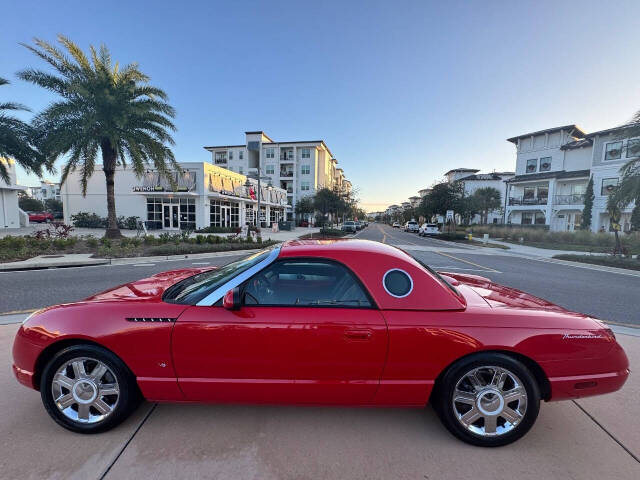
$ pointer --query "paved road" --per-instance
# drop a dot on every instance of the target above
(25, 290)
(606, 295)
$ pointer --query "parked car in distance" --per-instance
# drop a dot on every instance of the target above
(429, 229)
(363, 323)
(40, 217)
(396, 225)
(358, 225)
(349, 226)
(411, 226)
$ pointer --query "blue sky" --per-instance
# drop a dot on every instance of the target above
(400, 91)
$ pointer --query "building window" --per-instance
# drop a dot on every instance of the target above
(187, 213)
(532, 218)
(543, 193)
(633, 147)
(220, 157)
(240, 170)
(230, 155)
(270, 152)
(538, 218)
(240, 154)
(270, 170)
(306, 153)
(304, 186)
(306, 169)
(224, 214)
(545, 164)
(532, 165)
(608, 185)
(613, 151)
(529, 193)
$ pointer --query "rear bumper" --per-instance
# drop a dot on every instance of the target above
(579, 386)
(25, 377)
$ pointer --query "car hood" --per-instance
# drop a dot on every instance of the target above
(496, 295)
(147, 288)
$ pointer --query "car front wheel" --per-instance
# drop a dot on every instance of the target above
(88, 389)
(488, 400)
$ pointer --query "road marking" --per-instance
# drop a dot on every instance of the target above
(468, 269)
(16, 312)
(486, 269)
(200, 263)
(144, 265)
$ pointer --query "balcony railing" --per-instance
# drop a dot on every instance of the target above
(528, 200)
(286, 174)
(220, 161)
(289, 190)
(572, 199)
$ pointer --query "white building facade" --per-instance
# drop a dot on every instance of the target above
(47, 190)
(203, 195)
(9, 211)
(301, 168)
(553, 168)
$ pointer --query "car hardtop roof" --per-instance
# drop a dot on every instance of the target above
(304, 247)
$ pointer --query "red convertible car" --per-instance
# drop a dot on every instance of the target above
(40, 217)
(348, 322)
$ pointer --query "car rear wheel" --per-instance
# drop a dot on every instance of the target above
(488, 400)
(88, 389)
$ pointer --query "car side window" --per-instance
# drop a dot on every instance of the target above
(306, 282)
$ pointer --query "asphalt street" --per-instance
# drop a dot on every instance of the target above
(587, 289)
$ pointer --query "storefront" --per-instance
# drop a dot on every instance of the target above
(200, 196)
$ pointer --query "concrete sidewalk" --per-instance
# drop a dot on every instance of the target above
(86, 259)
(528, 251)
(592, 438)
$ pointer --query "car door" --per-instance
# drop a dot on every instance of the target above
(307, 333)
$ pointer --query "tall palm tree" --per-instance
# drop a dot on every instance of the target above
(102, 107)
(15, 139)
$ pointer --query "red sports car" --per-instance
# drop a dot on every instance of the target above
(40, 217)
(347, 322)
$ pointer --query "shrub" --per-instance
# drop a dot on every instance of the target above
(105, 242)
(200, 239)
(136, 242)
(125, 241)
(150, 240)
(128, 223)
(88, 220)
(212, 229)
(92, 242)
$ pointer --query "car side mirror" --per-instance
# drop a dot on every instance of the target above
(231, 300)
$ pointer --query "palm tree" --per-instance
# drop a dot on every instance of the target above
(15, 139)
(487, 199)
(102, 107)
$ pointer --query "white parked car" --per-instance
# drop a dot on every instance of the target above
(428, 229)
(411, 226)
(396, 225)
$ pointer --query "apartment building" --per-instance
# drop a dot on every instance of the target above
(553, 168)
(301, 168)
(45, 191)
(472, 181)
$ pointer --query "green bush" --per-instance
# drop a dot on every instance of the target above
(88, 220)
(128, 223)
(105, 242)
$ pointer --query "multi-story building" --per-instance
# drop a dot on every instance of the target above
(301, 168)
(472, 181)
(9, 211)
(46, 191)
(415, 201)
(553, 168)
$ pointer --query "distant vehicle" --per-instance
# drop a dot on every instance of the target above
(365, 224)
(349, 226)
(358, 225)
(40, 217)
(429, 229)
(396, 225)
(411, 226)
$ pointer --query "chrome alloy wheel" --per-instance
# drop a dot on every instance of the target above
(489, 401)
(85, 390)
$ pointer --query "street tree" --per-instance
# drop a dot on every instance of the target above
(588, 206)
(486, 200)
(305, 206)
(16, 140)
(615, 205)
(102, 108)
(30, 204)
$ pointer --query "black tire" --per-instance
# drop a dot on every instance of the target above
(128, 396)
(442, 400)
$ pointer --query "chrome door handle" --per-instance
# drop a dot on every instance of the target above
(358, 334)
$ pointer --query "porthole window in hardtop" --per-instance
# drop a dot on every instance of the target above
(397, 283)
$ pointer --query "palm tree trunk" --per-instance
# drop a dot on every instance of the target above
(109, 168)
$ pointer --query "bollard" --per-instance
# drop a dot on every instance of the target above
(485, 238)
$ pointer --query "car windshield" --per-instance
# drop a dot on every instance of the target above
(193, 289)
